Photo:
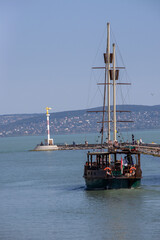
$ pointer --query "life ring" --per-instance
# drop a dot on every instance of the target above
(132, 170)
(108, 170)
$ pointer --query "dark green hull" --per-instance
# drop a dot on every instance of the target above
(112, 183)
(105, 170)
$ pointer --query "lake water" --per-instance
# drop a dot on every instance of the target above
(43, 196)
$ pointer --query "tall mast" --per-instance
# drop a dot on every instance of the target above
(114, 95)
(111, 73)
(104, 99)
(108, 77)
(107, 82)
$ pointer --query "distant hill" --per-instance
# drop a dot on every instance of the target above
(78, 121)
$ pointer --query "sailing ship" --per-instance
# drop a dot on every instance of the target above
(117, 167)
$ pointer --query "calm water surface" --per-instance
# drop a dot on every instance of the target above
(43, 197)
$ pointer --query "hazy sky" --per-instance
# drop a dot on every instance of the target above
(47, 49)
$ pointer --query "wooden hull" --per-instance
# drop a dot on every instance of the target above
(102, 173)
(112, 183)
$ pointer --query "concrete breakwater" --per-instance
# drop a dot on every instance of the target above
(150, 149)
(68, 147)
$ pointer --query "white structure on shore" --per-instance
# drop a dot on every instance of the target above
(49, 143)
(49, 140)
